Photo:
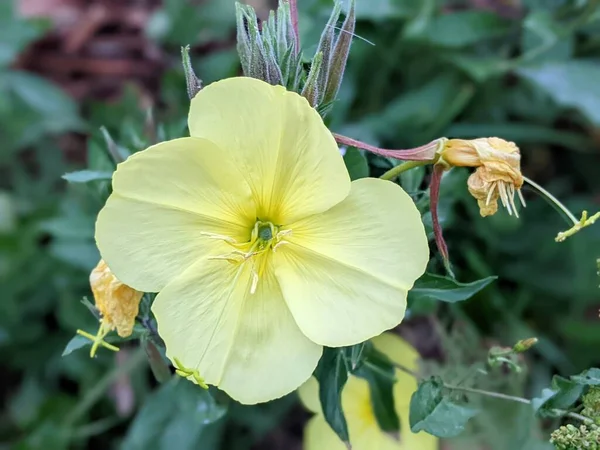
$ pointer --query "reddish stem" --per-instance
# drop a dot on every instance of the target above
(294, 14)
(425, 152)
(434, 195)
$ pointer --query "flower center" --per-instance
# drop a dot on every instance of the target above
(264, 237)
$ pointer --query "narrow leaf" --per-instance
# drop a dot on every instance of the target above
(332, 376)
(446, 289)
(85, 176)
(379, 372)
(356, 163)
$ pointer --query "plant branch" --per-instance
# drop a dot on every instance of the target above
(94, 394)
(426, 153)
(498, 395)
(513, 398)
(395, 171)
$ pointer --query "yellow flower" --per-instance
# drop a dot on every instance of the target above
(365, 433)
(497, 174)
(118, 304)
(261, 248)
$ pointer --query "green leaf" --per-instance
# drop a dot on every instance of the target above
(563, 394)
(174, 416)
(445, 289)
(332, 374)
(379, 372)
(76, 343)
(85, 176)
(436, 414)
(570, 83)
(589, 377)
(356, 163)
(466, 28)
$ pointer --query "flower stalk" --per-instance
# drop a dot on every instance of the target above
(427, 153)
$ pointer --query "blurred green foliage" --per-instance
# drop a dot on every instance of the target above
(418, 69)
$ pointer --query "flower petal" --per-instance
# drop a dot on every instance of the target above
(364, 431)
(164, 199)
(401, 352)
(280, 145)
(246, 344)
(345, 273)
(318, 435)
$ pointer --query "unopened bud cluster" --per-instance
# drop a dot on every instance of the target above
(272, 53)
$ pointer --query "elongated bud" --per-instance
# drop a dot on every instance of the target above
(524, 344)
(311, 87)
(339, 57)
(193, 83)
(325, 47)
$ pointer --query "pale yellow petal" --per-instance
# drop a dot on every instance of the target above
(247, 344)
(364, 431)
(345, 273)
(318, 435)
(279, 143)
(309, 395)
(401, 352)
(164, 199)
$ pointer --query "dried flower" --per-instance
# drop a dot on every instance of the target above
(118, 304)
(497, 174)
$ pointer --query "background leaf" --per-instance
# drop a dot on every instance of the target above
(332, 375)
(446, 289)
(433, 412)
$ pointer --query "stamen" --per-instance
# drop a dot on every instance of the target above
(254, 282)
(490, 193)
(511, 197)
(282, 242)
(220, 237)
(521, 198)
(504, 196)
(283, 233)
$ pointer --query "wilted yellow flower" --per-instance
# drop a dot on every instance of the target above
(261, 248)
(118, 305)
(363, 428)
(497, 173)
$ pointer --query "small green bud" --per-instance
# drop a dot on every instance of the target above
(524, 344)
(339, 56)
(194, 84)
(311, 87)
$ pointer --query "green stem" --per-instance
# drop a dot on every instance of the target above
(395, 171)
(94, 394)
(553, 199)
(381, 372)
(513, 398)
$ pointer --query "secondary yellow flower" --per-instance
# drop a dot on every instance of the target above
(118, 305)
(261, 248)
(365, 433)
(497, 174)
